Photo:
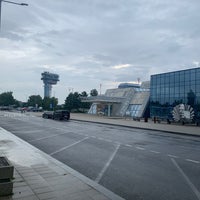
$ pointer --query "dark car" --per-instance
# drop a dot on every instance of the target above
(61, 115)
(48, 114)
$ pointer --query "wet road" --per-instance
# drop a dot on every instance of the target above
(133, 163)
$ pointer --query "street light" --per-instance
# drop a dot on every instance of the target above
(19, 4)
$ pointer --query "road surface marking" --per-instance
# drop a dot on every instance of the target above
(172, 156)
(107, 164)
(194, 189)
(46, 137)
(140, 148)
(117, 143)
(154, 151)
(62, 149)
(194, 161)
(128, 145)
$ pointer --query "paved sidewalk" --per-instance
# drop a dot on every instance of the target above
(187, 129)
(38, 176)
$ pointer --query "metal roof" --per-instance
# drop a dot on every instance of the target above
(103, 99)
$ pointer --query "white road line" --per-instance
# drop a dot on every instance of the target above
(117, 143)
(62, 149)
(107, 165)
(46, 137)
(140, 148)
(194, 189)
(172, 156)
(128, 145)
(157, 152)
(194, 161)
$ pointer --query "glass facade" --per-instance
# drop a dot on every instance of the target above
(134, 110)
(170, 89)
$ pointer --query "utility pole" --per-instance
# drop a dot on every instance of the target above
(19, 4)
(0, 14)
(100, 88)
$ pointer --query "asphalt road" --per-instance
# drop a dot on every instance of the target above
(135, 164)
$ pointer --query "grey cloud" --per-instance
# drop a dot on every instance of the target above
(82, 40)
(11, 36)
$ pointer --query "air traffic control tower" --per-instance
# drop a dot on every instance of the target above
(49, 79)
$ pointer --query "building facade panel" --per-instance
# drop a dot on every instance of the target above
(128, 101)
(170, 89)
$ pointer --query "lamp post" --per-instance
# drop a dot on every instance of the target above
(19, 4)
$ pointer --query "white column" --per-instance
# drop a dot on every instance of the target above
(109, 114)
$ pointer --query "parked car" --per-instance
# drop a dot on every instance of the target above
(48, 115)
(61, 115)
(57, 115)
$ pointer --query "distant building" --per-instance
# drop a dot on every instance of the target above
(49, 79)
(126, 100)
(155, 98)
(173, 88)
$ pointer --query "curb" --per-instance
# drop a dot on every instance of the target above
(141, 128)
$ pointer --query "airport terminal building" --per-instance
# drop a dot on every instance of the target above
(170, 89)
(128, 100)
(155, 98)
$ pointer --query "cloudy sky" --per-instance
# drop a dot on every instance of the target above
(93, 42)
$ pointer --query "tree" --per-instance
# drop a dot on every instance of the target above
(7, 99)
(84, 105)
(17, 103)
(93, 92)
(84, 94)
(35, 100)
(49, 103)
(73, 101)
(77, 101)
(69, 102)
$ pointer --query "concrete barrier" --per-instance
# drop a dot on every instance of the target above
(6, 176)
